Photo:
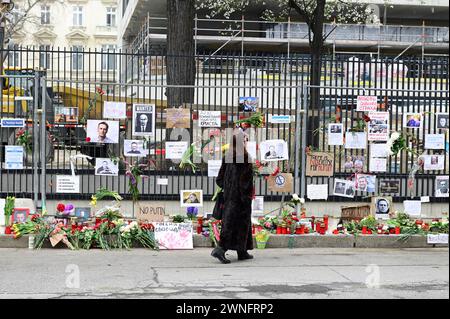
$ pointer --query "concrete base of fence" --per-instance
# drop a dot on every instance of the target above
(286, 241)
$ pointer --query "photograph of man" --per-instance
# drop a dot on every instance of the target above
(143, 123)
(20, 217)
(340, 188)
(442, 121)
(134, 149)
(434, 160)
(102, 131)
(350, 191)
(442, 187)
(105, 169)
(413, 120)
(248, 104)
(336, 129)
(382, 206)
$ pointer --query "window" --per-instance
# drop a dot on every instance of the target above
(109, 57)
(77, 57)
(77, 15)
(44, 56)
(111, 17)
(45, 14)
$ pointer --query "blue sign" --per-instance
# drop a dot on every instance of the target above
(13, 122)
(280, 119)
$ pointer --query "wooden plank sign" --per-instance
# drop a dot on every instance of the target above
(174, 235)
(178, 118)
(358, 212)
(282, 183)
(149, 213)
(319, 164)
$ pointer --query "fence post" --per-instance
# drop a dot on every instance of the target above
(304, 132)
(43, 145)
(35, 140)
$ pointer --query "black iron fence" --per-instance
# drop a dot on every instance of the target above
(69, 81)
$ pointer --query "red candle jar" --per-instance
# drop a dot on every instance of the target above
(364, 230)
(397, 230)
(318, 227)
(199, 224)
(302, 229)
(279, 230)
(8, 230)
(284, 230)
(312, 222)
(322, 229)
(325, 221)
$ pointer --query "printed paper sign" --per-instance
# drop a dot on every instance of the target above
(378, 164)
(282, 183)
(378, 150)
(378, 126)
(114, 110)
(174, 235)
(106, 167)
(317, 191)
(442, 186)
(175, 150)
(279, 119)
(335, 134)
(433, 162)
(366, 103)
(149, 213)
(134, 148)
(437, 239)
(100, 131)
(14, 157)
(413, 207)
(319, 164)
(214, 167)
(162, 181)
(356, 140)
(178, 118)
(144, 122)
(68, 184)
(425, 199)
(209, 118)
(258, 205)
(12, 122)
(435, 141)
(381, 207)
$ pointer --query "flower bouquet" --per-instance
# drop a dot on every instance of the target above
(257, 120)
(8, 210)
(262, 236)
(25, 139)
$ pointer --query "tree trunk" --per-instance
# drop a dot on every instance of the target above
(180, 51)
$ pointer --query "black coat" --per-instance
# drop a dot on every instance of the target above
(236, 180)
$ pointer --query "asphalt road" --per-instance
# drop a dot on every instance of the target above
(274, 273)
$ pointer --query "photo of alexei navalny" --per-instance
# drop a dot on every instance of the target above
(382, 206)
(99, 131)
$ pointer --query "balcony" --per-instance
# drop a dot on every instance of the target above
(102, 31)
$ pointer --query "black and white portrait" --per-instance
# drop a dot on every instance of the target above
(442, 186)
(382, 207)
(274, 150)
(143, 119)
(104, 166)
(344, 188)
(442, 121)
(134, 148)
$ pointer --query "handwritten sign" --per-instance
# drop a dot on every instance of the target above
(149, 213)
(282, 183)
(319, 164)
(209, 118)
(366, 103)
(174, 235)
(437, 239)
(178, 118)
(114, 110)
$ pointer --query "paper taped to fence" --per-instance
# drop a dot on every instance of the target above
(319, 164)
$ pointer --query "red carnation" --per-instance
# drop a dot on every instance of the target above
(60, 208)
(88, 139)
(366, 118)
(276, 171)
(100, 91)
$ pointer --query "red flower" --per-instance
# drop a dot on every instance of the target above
(276, 171)
(366, 118)
(60, 208)
(20, 132)
(88, 139)
(100, 91)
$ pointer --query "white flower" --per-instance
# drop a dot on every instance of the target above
(385, 227)
(395, 136)
(295, 197)
(302, 201)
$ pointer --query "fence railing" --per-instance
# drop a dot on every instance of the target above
(278, 82)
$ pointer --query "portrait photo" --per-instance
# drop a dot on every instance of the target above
(442, 121)
(274, 150)
(336, 128)
(144, 119)
(442, 186)
(412, 120)
(258, 205)
(191, 198)
(134, 148)
(100, 131)
(354, 163)
(82, 213)
(248, 104)
(381, 207)
(365, 183)
(20, 215)
(106, 167)
(344, 188)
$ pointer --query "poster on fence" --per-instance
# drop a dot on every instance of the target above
(14, 157)
(178, 118)
(174, 235)
(175, 150)
(378, 126)
(144, 119)
(209, 118)
(434, 141)
(378, 164)
(68, 184)
(389, 187)
(319, 164)
(356, 140)
(433, 162)
(317, 192)
(335, 134)
(366, 103)
(114, 110)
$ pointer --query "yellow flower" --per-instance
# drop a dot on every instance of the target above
(225, 147)
(93, 200)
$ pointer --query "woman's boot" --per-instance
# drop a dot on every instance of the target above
(219, 253)
(243, 255)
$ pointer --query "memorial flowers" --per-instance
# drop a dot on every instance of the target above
(25, 139)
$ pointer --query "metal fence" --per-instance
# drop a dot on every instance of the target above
(70, 79)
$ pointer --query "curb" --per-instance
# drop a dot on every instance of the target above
(286, 241)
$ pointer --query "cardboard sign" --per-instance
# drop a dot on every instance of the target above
(437, 239)
(209, 118)
(366, 103)
(282, 183)
(358, 212)
(149, 213)
(178, 118)
(174, 235)
(319, 164)
(68, 184)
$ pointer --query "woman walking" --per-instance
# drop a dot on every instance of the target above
(236, 179)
